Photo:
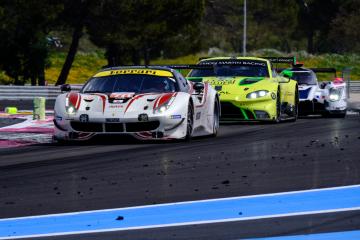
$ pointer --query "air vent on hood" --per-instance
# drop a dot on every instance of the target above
(250, 80)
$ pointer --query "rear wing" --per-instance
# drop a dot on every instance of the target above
(324, 70)
(315, 70)
(290, 60)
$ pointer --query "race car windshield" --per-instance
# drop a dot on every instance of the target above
(232, 71)
(305, 77)
(137, 83)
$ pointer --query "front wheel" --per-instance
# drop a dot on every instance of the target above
(278, 108)
(341, 114)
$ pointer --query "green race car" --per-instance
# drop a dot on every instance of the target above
(250, 88)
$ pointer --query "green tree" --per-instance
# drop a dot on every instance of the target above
(74, 18)
(344, 33)
(315, 21)
(270, 24)
(23, 30)
(140, 29)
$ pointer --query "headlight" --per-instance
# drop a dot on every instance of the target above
(335, 94)
(70, 110)
(334, 97)
(70, 104)
(162, 107)
(257, 94)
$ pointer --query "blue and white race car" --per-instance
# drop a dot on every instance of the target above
(325, 98)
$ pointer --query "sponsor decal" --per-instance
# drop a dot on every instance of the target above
(146, 71)
(121, 95)
(236, 62)
(176, 116)
(219, 82)
(117, 101)
(116, 106)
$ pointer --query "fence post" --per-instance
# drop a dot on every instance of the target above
(346, 77)
(39, 108)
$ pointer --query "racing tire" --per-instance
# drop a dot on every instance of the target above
(278, 108)
(59, 141)
(189, 122)
(216, 119)
(337, 115)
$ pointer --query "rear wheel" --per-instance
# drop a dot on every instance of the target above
(189, 122)
(216, 119)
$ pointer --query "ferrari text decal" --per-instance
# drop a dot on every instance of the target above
(154, 72)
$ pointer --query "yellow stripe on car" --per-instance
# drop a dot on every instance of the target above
(153, 72)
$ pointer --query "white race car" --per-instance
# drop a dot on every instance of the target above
(325, 98)
(145, 102)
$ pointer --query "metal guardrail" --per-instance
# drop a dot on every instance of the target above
(354, 86)
(51, 92)
(30, 92)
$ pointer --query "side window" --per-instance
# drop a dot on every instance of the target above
(183, 84)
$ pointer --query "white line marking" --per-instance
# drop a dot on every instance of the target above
(184, 223)
(185, 202)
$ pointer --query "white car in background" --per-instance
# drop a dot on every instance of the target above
(144, 102)
(325, 98)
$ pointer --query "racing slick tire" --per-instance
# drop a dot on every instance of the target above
(341, 114)
(189, 122)
(278, 108)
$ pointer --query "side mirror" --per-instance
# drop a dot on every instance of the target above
(287, 73)
(198, 87)
(65, 88)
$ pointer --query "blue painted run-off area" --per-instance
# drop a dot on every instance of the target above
(217, 210)
(349, 235)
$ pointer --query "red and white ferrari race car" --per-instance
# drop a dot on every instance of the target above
(145, 102)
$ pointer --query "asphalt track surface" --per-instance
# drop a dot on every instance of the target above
(245, 159)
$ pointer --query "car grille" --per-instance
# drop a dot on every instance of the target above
(115, 127)
(86, 126)
(142, 126)
(303, 94)
(228, 110)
